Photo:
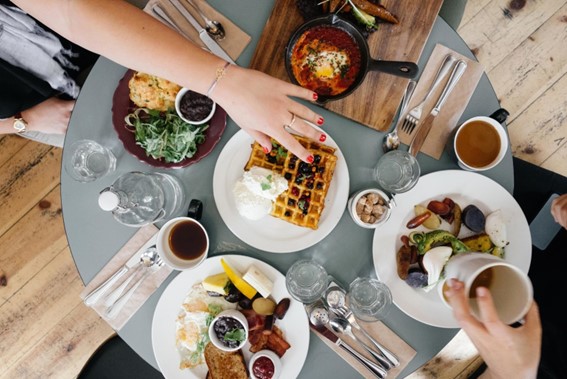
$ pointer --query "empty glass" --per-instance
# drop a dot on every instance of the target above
(306, 280)
(397, 171)
(89, 161)
(369, 299)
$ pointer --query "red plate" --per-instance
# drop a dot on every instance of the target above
(122, 106)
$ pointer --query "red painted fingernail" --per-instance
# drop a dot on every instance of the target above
(310, 159)
(265, 150)
(315, 96)
(320, 121)
(322, 138)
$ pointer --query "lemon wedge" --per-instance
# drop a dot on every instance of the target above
(236, 279)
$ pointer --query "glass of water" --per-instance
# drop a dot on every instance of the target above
(397, 171)
(369, 299)
(306, 280)
(89, 161)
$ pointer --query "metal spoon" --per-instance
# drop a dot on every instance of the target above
(213, 27)
(319, 317)
(342, 326)
(391, 140)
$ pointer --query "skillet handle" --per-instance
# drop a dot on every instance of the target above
(403, 69)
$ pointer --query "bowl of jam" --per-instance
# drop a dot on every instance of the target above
(264, 364)
(229, 330)
(193, 107)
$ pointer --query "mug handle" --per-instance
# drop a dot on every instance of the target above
(195, 209)
(500, 115)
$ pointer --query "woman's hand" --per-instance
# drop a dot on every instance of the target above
(559, 210)
(262, 105)
(50, 116)
(508, 352)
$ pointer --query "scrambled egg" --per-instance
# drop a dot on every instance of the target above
(149, 91)
(327, 64)
(192, 326)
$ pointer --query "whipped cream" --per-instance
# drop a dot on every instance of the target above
(255, 191)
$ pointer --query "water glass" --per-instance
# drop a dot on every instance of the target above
(306, 280)
(369, 299)
(89, 161)
(397, 171)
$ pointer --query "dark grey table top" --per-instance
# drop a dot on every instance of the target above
(94, 236)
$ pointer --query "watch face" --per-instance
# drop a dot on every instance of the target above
(20, 125)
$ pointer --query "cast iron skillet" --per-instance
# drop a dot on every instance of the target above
(403, 69)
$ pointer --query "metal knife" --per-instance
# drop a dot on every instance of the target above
(425, 126)
(378, 371)
(203, 35)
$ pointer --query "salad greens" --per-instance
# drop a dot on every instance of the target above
(165, 135)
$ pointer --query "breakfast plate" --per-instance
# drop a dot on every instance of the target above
(269, 233)
(122, 106)
(463, 188)
(294, 325)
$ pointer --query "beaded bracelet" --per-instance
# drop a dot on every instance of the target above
(220, 73)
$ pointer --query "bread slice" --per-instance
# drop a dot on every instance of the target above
(225, 365)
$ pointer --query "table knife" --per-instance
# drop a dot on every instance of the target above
(425, 126)
(378, 371)
(213, 46)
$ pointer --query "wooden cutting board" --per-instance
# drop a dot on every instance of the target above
(375, 102)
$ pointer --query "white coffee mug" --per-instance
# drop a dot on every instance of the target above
(509, 286)
(183, 243)
(480, 143)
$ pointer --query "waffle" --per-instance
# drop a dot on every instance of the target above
(303, 202)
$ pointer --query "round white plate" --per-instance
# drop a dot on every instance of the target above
(294, 325)
(269, 233)
(464, 188)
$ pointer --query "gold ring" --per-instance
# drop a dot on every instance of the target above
(291, 122)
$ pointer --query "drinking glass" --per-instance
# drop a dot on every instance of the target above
(397, 171)
(306, 280)
(89, 161)
(369, 299)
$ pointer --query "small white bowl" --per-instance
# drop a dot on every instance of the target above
(271, 356)
(178, 98)
(353, 200)
(233, 313)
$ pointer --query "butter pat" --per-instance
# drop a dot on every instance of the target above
(259, 281)
(216, 283)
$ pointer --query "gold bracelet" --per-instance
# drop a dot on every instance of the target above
(220, 73)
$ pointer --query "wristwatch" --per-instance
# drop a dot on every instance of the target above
(19, 123)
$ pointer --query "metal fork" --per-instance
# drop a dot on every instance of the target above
(414, 115)
(387, 354)
(113, 310)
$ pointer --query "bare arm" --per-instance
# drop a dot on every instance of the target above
(258, 103)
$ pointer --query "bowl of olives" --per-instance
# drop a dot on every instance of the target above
(229, 330)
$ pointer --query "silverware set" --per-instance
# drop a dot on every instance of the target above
(149, 262)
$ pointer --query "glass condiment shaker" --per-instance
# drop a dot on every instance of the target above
(141, 198)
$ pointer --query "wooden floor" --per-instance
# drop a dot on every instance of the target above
(45, 330)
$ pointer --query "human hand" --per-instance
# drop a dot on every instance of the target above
(508, 352)
(49, 116)
(559, 210)
(261, 105)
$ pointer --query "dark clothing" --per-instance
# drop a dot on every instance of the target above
(20, 90)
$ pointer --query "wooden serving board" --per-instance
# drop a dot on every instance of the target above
(375, 102)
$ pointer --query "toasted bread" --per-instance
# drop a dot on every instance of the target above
(225, 365)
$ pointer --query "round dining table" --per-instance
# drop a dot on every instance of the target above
(94, 236)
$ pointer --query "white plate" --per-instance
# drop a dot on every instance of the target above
(269, 233)
(294, 325)
(464, 188)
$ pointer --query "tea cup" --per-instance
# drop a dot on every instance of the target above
(183, 243)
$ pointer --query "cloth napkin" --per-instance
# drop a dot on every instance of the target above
(132, 249)
(235, 40)
(380, 332)
(447, 119)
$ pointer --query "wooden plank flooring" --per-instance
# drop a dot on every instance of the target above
(46, 331)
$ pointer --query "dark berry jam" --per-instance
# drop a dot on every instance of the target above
(194, 106)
